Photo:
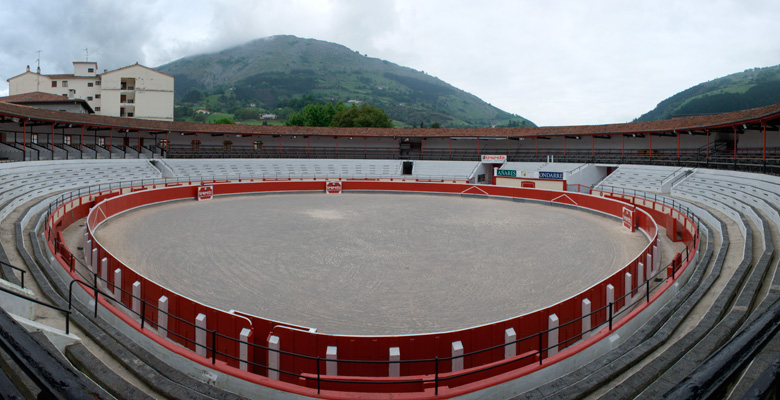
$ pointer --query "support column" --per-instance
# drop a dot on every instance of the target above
(200, 335)
(510, 347)
(136, 303)
(457, 350)
(650, 266)
(162, 316)
(331, 367)
(104, 272)
(537, 145)
(88, 251)
(552, 335)
(24, 140)
(586, 318)
(629, 285)
(622, 145)
(118, 284)
(656, 258)
(394, 369)
(593, 146)
(648, 272)
(94, 261)
(763, 124)
(273, 357)
(243, 349)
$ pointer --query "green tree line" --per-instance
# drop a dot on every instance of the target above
(339, 115)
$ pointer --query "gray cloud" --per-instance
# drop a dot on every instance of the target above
(556, 63)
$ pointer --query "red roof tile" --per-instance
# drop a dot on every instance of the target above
(768, 113)
(33, 97)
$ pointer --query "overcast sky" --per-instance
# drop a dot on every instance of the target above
(567, 62)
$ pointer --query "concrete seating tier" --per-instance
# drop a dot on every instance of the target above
(746, 201)
(643, 177)
(319, 168)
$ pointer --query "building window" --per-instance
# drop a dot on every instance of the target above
(66, 140)
(90, 70)
(97, 108)
(129, 114)
(34, 138)
(97, 96)
(97, 83)
(89, 84)
(101, 141)
(89, 98)
(64, 83)
(53, 83)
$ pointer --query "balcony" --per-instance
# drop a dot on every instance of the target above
(127, 84)
(127, 99)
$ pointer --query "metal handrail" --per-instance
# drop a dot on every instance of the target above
(15, 269)
(539, 335)
(36, 301)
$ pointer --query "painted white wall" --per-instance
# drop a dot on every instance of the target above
(587, 176)
(152, 92)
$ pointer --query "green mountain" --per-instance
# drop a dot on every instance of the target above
(752, 88)
(279, 74)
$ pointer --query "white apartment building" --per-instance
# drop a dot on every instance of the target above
(134, 91)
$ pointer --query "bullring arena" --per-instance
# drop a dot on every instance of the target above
(627, 260)
(371, 264)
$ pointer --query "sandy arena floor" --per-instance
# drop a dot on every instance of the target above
(371, 263)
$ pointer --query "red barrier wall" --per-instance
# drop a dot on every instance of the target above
(530, 327)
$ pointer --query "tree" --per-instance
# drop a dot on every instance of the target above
(297, 103)
(181, 113)
(435, 125)
(363, 116)
(247, 113)
(316, 115)
(192, 96)
(224, 120)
